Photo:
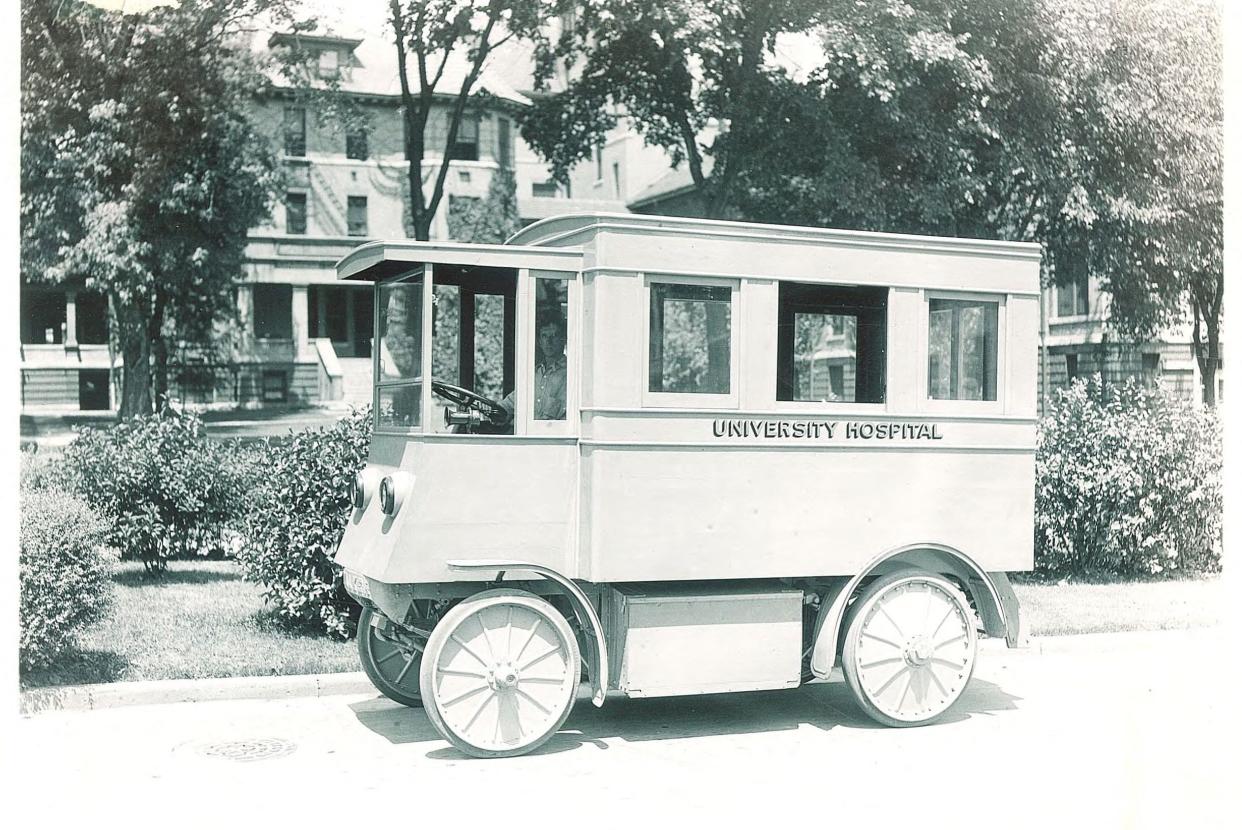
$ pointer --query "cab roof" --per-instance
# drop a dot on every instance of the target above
(382, 259)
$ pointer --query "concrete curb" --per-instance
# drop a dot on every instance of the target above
(154, 692)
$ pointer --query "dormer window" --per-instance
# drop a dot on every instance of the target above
(329, 63)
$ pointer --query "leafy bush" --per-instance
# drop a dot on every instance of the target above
(65, 573)
(296, 516)
(165, 487)
(1128, 483)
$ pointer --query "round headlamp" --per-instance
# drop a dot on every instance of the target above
(393, 490)
(362, 488)
(387, 496)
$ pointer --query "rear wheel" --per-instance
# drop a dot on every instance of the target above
(500, 673)
(390, 657)
(909, 648)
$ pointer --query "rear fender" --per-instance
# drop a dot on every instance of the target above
(992, 594)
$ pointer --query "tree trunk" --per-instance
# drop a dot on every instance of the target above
(1208, 366)
(136, 380)
(159, 350)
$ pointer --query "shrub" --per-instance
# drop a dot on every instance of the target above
(296, 517)
(1128, 483)
(65, 573)
(165, 487)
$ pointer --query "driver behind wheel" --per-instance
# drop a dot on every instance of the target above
(549, 377)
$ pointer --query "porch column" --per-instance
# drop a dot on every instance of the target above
(301, 326)
(71, 319)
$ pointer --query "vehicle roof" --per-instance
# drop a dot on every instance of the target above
(566, 227)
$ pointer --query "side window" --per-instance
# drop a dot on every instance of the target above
(690, 340)
(549, 374)
(962, 349)
(399, 362)
(831, 343)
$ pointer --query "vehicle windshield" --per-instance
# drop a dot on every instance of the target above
(472, 345)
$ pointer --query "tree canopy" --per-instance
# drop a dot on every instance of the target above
(141, 172)
(429, 36)
(1093, 128)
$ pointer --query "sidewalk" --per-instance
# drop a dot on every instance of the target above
(146, 693)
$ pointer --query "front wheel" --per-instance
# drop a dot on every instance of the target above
(909, 648)
(390, 658)
(500, 673)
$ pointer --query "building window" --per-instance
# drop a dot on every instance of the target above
(273, 311)
(1072, 298)
(690, 338)
(329, 63)
(91, 318)
(504, 144)
(275, 386)
(1071, 367)
(1151, 368)
(357, 215)
(831, 343)
(466, 147)
(295, 213)
(295, 131)
(544, 190)
(599, 163)
(961, 350)
(616, 179)
(43, 316)
(356, 144)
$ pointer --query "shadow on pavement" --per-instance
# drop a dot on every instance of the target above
(824, 706)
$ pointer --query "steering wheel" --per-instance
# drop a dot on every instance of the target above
(469, 399)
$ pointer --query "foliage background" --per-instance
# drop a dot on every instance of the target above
(1128, 483)
(296, 515)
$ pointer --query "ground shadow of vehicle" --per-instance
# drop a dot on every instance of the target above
(824, 706)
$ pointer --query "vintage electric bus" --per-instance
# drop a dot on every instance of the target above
(689, 456)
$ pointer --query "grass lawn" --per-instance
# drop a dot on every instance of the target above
(200, 619)
(1083, 608)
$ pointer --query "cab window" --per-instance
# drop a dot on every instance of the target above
(831, 343)
(961, 349)
(400, 359)
(473, 346)
(549, 374)
(690, 338)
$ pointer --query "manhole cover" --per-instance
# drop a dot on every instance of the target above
(253, 749)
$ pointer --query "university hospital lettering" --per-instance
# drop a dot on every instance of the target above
(813, 430)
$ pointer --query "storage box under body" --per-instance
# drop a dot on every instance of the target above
(680, 640)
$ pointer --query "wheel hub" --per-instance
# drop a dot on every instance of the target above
(918, 651)
(502, 676)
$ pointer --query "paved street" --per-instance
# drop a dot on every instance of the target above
(1111, 731)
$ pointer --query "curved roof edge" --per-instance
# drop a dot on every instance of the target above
(547, 231)
(383, 258)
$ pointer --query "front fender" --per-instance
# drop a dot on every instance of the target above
(583, 609)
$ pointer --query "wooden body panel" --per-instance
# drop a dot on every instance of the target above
(472, 497)
(640, 488)
(745, 512)
(716, 639)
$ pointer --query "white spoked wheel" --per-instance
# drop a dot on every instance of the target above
(500, 673)
(909, 648)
